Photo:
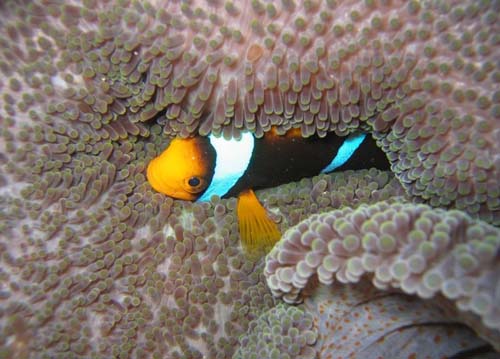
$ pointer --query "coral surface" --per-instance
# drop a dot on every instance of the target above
(95, 264)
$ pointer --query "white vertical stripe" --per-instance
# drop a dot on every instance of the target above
(232, 159)
(349, 146)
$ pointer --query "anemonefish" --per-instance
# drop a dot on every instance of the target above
(197, 168)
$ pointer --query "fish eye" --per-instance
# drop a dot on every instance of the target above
(194, 184)
(194, 181)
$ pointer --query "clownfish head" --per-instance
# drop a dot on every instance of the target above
(184, 170)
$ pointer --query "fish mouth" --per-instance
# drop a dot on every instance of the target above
(181, 195)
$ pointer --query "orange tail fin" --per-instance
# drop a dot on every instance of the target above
(258, 232)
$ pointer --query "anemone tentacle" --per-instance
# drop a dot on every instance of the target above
(414, 248)
(91, 91)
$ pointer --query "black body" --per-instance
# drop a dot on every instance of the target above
(281, 159)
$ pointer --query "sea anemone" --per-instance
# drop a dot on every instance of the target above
(95, 263)
(414, 248)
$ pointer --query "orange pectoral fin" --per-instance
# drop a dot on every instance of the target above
(257, 231)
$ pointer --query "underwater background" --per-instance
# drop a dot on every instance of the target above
(95, 264)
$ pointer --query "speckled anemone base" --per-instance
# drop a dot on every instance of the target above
(360, 321)
(94, 263)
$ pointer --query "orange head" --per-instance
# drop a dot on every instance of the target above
(184, 170)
